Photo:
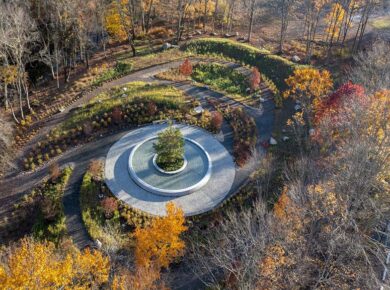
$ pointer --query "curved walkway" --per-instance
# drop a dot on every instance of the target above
(15, 185)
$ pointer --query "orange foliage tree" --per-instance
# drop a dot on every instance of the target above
(35, 265)
(186, 68)
(156, 247)
(160, 243)
(309, 86)
(255, 79)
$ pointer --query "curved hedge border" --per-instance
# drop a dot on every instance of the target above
(272, 66)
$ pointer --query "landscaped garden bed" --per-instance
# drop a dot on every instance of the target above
(244, 131)
(99, 209)
(122, 107)
(42, 208)
(274, 67)
(245, 134)
(221, 77)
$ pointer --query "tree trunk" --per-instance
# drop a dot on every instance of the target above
(215, 13)
(252, 12)
(206, 2)
(148, 16)
(20, 97)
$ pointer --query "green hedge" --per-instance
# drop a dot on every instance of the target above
(272, 66)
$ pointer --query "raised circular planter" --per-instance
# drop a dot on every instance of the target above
(152, 178)
(166, 171)
(222, 180)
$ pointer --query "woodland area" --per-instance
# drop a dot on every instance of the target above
(299, 90)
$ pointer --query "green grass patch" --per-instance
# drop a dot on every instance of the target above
(164, 96)
(220, 77)
(381, 22)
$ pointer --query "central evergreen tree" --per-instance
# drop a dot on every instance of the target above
(170, 149)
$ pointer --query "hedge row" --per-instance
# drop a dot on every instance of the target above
(272, 66)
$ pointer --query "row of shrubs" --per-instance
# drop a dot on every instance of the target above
(274, 67)
(44, 206)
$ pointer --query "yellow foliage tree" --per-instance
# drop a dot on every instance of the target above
(160, 243)
(309, 86)
(334, 20)
(35, 265)
(142, 279)
(115, 23)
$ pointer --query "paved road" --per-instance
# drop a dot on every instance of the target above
(15, 185)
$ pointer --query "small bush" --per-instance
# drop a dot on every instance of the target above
(216, 121)
(55, 172)
(186, 68)
(159, 32)
(109, 206)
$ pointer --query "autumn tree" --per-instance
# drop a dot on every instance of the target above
(309, 86)
(109, 206)
(8, 76)
(334, 20)
(160, 243)
(120, 21)
(186, 68)
(255, 79)
(313, 11)
(216, 120)
(157, 245)
(36, 265)
(330, 105)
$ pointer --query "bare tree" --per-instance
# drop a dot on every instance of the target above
(251, 7)
(18, 34)
(313, 11)
(372, 68)
(284, 9)
(366, 11)
(233, 249)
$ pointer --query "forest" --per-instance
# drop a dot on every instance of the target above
(194, 144)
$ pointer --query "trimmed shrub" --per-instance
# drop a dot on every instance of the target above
(109, 206)
(216, 121)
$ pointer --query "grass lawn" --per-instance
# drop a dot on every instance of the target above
(381, 22)
(220, 77)
(132, 92)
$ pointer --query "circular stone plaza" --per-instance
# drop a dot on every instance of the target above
(200, 184)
